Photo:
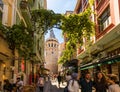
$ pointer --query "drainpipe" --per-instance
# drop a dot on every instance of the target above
(32, 71)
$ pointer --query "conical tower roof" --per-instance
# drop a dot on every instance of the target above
(52, 36)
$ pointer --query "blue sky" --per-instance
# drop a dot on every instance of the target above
(60, 6)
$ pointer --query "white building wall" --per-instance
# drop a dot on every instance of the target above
(5, 14)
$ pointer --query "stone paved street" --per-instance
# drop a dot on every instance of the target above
(51, 86)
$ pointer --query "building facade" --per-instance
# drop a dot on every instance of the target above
(51, 53)
(7, 18)
(37, 56)
(105, 52)
(13, 12)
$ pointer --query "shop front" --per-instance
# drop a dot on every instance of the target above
(107, 66)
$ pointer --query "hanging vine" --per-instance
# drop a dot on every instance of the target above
(76, 27)
(43, 20)
(18, 37)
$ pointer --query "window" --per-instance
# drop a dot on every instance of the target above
(54, 45)
(85, 2)
(80, 10)
(49, 44)
(1, 4)
(1, 7)
(98, 1)
(52, 52)
(104, 20)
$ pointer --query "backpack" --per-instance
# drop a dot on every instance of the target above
(73, 86)
(41, 81)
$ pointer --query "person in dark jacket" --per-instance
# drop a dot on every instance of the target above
(59, 78)
(86, 83)
(7, 86)
(100, 83)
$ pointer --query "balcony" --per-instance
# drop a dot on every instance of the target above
(101, 5)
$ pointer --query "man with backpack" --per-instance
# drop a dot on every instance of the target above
(40, 83)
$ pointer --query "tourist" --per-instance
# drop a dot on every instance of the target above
(41, 82)
(113, 86)
(7, 87)
(19, 84)
(59, 78)
(86, 83)
(100, 83)
(73, 85)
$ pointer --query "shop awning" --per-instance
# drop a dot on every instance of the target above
(110, 60)
(101, 62)
(73, 62)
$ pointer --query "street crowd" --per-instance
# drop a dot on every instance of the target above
(86, 83)
(75, 83)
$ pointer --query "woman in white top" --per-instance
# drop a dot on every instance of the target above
(73, 85)
(113, 87)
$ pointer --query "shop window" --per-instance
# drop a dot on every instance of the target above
(104, 20)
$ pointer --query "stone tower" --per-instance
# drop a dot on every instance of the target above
(51, 53)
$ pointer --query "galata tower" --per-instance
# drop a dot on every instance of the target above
(51, 53)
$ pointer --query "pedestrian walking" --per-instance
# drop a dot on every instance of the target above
(73, 85)
(7, 87)
(67, 79)
(113, 86)
(100, 83)
(59, 78)
(41, 82)
(86, 83)
(19, 85)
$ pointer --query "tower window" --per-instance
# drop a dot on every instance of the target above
(51, 44)
(52, 52)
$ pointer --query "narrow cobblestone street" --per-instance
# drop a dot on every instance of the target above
(51, 86)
